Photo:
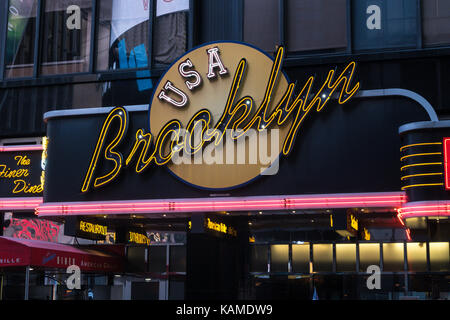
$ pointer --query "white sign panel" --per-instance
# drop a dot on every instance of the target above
(168, 6)
(126, 14)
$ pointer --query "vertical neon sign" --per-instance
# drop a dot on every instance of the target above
(446, 162)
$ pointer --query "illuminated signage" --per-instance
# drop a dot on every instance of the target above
(20, 174)
(93, 228)
(353, 222)
(213, 224)
(223, 95)
(446, 162)
(132, 235)
(366, 234)
(81, 228)
(220, 227)
(345, 222)
(138, 238)
(44, 159)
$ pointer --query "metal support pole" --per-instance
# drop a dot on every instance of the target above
(1, 288)
(27, 282)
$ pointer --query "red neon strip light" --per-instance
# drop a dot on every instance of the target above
(223, 204)
(19, 204)
(208, 201)
(424, 209)
(446, 162)
(21, 148)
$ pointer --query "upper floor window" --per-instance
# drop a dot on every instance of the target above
(436, 22)
(130, 34)
(316, 25)
(123, 37)
(66, 36)
(20, 38)
(305, 25)
(379, 24)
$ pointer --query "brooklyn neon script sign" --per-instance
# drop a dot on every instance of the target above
(256, 96)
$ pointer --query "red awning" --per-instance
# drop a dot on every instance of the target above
(20, 253)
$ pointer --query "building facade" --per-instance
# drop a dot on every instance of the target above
(338, 109)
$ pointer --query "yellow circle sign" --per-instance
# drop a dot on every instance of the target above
(203, 79)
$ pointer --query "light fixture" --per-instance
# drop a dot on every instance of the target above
(260, 212)
(117, 275)
(148, 279)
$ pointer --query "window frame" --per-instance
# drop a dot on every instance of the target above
(349, 50)
(92, 73)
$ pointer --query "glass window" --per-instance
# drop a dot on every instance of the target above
(417, 256)
(279, 258)
(261, 24)
(346, 257)
(384, 24)
(316, 24)
(66, 36)
(258, 258)
(323, 257)
(436, 22)
(393, 257)
(439, 256)
(19, 59)
(369, 254)
(177, 259)
(170, 31)
(157, 258)
(123, 34)
(300, 258)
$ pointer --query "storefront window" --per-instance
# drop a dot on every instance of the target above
(258, 258)
(21, 31)
(436, 22)
(369, 254)
(300, 258)
(346, 257)
(66, 36)
(157, 258)
(323, 257)
(261, 24)
(439, 256)
(316, 24)
(416, 253)
(279, 258)
(177, 259)
(393, 257)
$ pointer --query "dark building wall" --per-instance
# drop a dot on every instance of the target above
(23, 102)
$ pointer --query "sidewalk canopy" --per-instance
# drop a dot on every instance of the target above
(20, 253)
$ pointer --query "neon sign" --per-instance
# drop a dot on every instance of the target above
(220, 227)
(446, 162)
(17, 174)
(239, 112)
(85, 229)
